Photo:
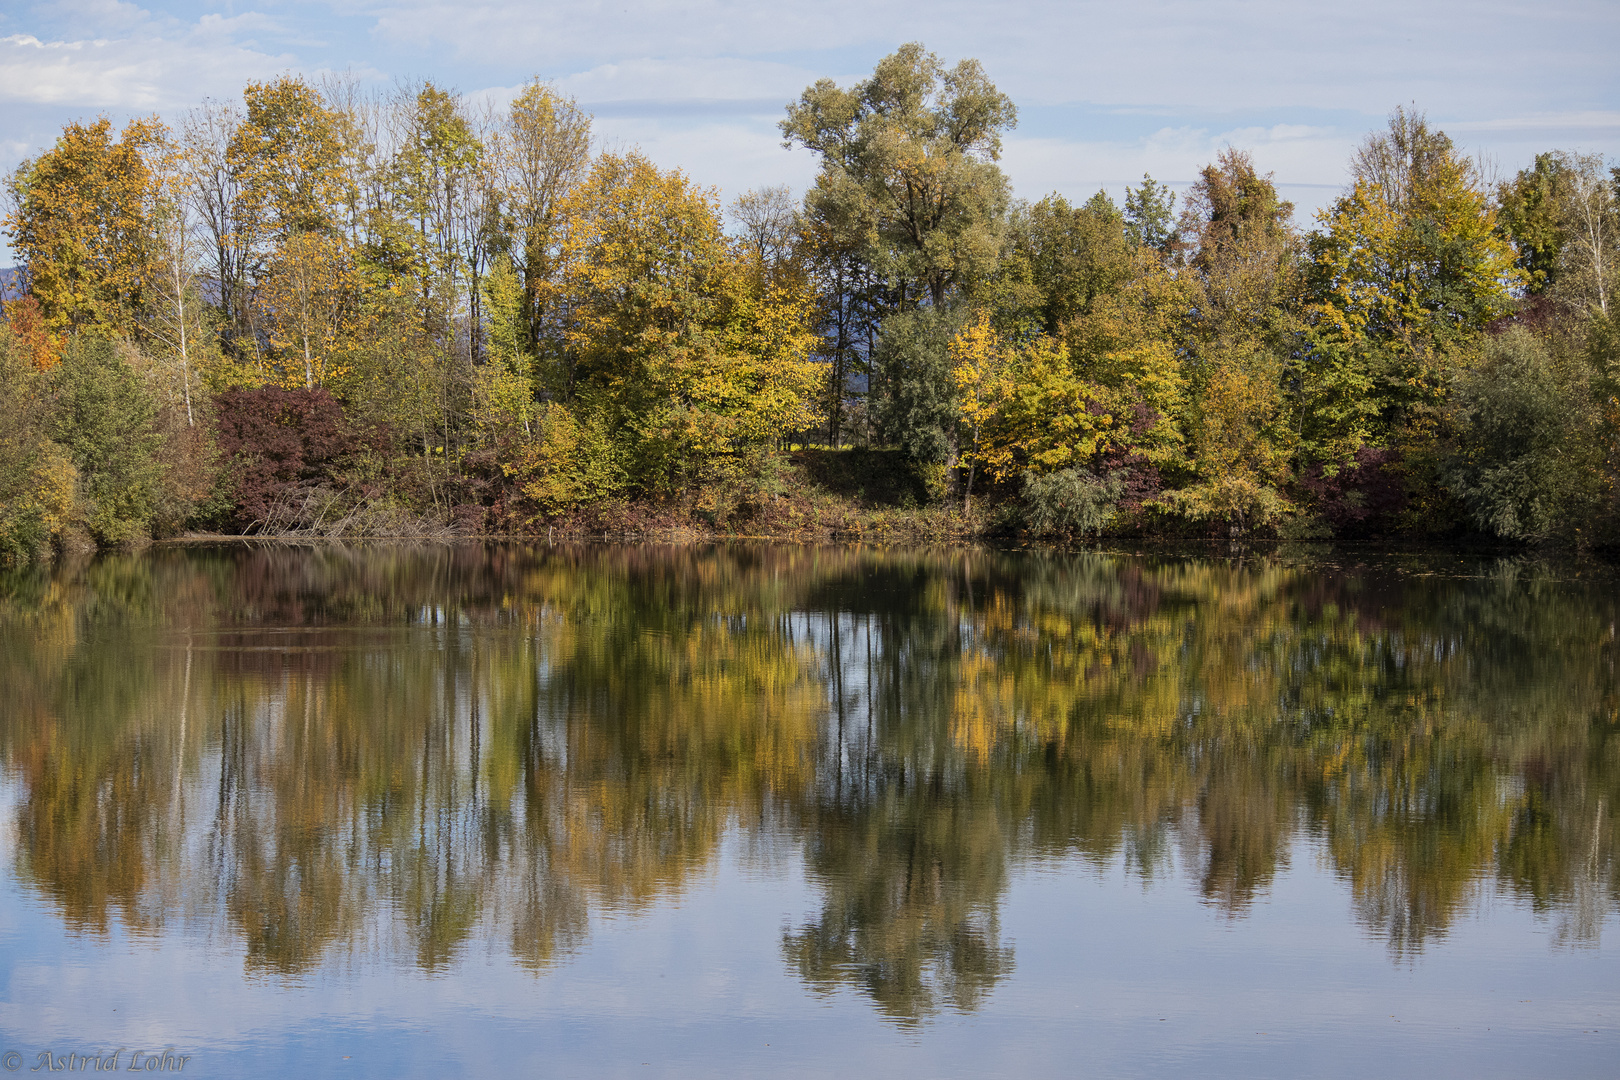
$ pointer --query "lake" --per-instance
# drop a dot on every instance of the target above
(646, 811)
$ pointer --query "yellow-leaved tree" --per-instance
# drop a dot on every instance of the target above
(308, 295)
(286, 154)
(1128, 341)
(1244, 285)
(1024, 407)
(980, 361)
(664, 339)
(1407, 269)
(503, 386)
(82, 225)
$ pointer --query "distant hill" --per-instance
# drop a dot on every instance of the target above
(10, 278)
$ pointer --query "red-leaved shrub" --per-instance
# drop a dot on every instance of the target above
(277, 440)
(1363, 497)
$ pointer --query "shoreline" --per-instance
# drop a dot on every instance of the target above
(1169, 547)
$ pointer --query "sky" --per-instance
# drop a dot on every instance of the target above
(1105, 91)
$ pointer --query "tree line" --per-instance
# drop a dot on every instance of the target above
(322, 307)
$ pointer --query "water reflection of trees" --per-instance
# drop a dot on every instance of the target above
(403, 752)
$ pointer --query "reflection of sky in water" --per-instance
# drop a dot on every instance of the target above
(695, 987)
(770, 813)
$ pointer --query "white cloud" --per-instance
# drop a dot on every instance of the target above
(675, 90)
(526, 33)
(714, 79)
(108, 16)
(1188, 53)
(1588, 121)
(246, 28)
(128, 74)
(734, 157)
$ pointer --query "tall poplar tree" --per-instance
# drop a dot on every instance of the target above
(544, 154)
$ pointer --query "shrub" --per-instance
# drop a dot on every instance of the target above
(1241, 502)
(1360, 496)
(569, 461)
(1522, 463)
(36, 478)
(1072, 502)
(105, 423)
(272, 441)
(915, 389)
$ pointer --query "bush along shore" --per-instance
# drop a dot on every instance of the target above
(322, 312)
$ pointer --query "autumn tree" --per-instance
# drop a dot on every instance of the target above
(1589, 268)
(689, 358)
(980, 363)
(545, 146)
(104, 421)
(768, 220)
(917, 405)
(308, 294)
(213, 189)
(503, 389)
(1524, 463)
(280, 181)
(284, 153)
(909, 183)
(1411, 250)
(1025, 410)
(359, 186)
(1530, 215)
(1150, 216)
(176, 321)
(432, 170)
(26, 320)
(1099, 389)
(1072, 256)
(1122, 320)
(37, 478)
(1407, 267)
(1244, 270)
(440, 232)
(851, 300)
(1233, 211)
(918, 144)
(82, 225)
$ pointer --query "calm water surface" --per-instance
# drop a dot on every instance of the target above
(648, 811)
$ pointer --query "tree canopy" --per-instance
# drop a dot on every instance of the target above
(519, 328)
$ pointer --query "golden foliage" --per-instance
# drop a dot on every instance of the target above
(27, 322)
(82, 224)
(286, 154)
(692, 356)
(568, 461)
(309, 300)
